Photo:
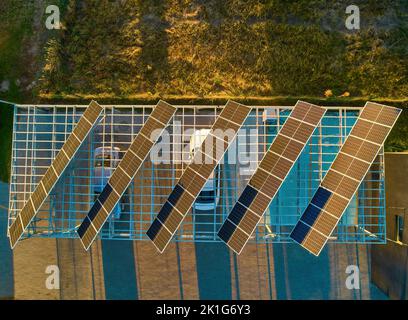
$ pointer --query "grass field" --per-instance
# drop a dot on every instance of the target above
(205, 52)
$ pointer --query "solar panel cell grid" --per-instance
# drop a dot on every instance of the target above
(335, 205)
(347, 187)
(237, 213)
(226, 230)
(378, 133)
(247, 196)
(303, 132)
(370, 112)
(260, 204)
(388, 116)
(150, 127)
(279, 144)
(325, 223)
(314, 115)
(205, 161)
(237, 240)
(367, 151)
(290, 127)
(282, 168)
(60, 162)
(362, 129)
(300, 113)
(292, 150)
(249, 222)
(258, 179)
(82, 128)
(173, 220)
(300, 232)
(352, 146)
(271, 186)
(269, 161)
(314, 241)
(165, 212)
(310, 215)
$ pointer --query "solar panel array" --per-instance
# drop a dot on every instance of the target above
(270, 174)
(125, 172)
(344, 176)
(197, 173)
(54, 172)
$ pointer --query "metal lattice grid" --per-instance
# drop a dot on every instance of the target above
(39, 132)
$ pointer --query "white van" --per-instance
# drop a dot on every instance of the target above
(106, 160)
(210, 195)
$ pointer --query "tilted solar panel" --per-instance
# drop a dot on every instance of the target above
(270, 174)
(196, 174)
(344, 176)
(53, 173)
(125, 172)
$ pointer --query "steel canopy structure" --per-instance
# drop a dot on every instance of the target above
(41, 130)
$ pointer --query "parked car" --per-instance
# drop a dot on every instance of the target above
(106, 160)
(210, 195)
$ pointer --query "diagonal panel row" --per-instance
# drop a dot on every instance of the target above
(197, 173)
(53, 173)
(344, 176)
(272, 171)
(125, 172)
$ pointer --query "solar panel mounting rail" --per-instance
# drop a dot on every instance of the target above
(272, 171)
(344, 176)
(54, 172)
(195, 176)
(126, 170)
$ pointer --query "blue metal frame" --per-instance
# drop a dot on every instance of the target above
(37, 138)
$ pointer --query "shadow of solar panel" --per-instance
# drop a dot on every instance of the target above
(310, 215)
(226, 230)
(321, 196)
(237, 213)
(106, 192)
(247, 196)
(299, 232)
